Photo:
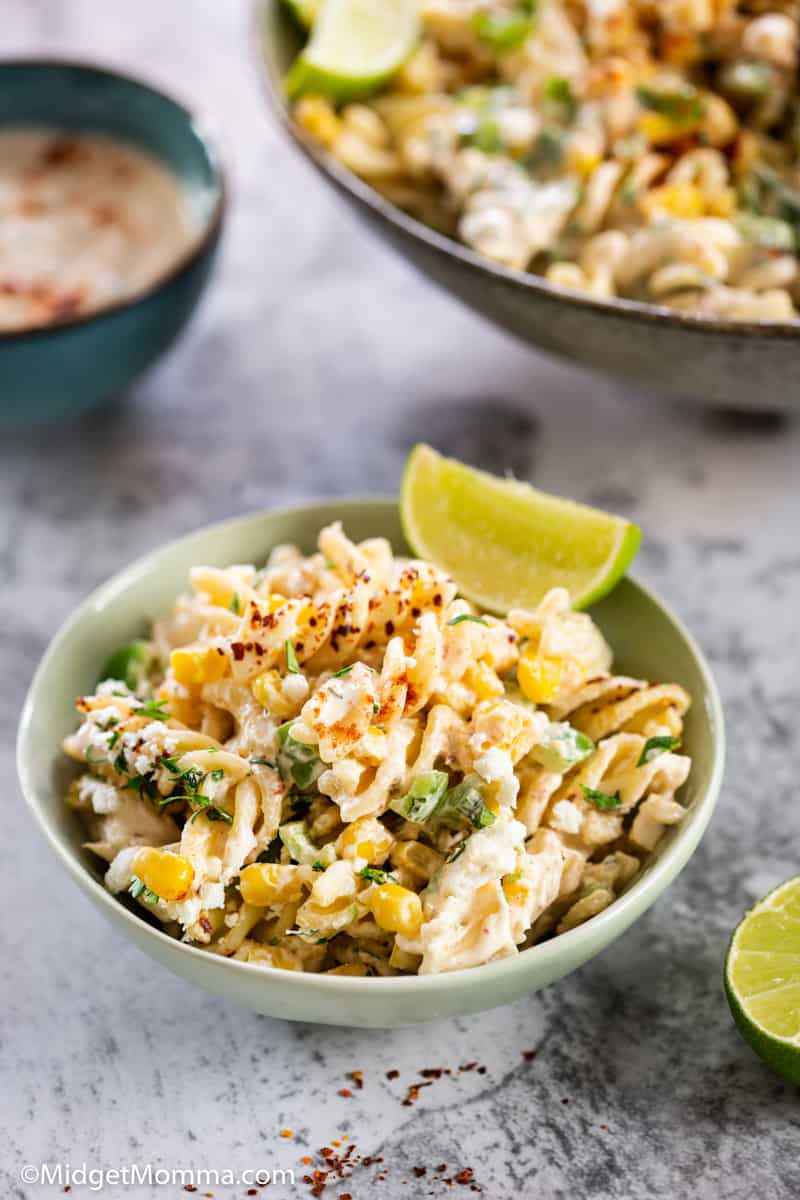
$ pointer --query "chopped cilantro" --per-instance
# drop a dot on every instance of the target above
(317, 866)
(217, 774)
(272, 854)
(263, 762)
(660, 745)
(601, 800)
(374, 875)
(467, 617)
(113, 738)
(154, 709)
(343, 671)
(235, 605)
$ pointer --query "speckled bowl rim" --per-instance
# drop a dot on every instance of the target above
(586, 940)
(186, 260)
(449, 248)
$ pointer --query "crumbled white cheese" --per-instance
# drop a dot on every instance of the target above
(566, 816)
(494, 764)
(212, 895)
(295, 688)
(103, 797)
(118, 875)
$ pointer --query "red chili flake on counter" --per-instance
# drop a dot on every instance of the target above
(481, 1070)
(345, 1092)
(529, 1055)
(420, 1172)
(470, 1066)
(306, 1160)
(434, 1072)
(189, 1187)
(357, 1078)
(252, 1191)
(441, 1167)
(464, 1177)
(413, 1092)
(392, 1074)
(565, 1100)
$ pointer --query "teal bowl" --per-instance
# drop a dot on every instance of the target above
(647, 639)
(59, 370)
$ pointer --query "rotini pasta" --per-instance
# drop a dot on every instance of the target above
(619, 148)
(335, 764)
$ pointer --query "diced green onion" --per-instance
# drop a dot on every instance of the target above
(562, 747)
(746, 81)
(297, 763)
(465, 802)
(297, 840)
(422, 798)
(501, 31)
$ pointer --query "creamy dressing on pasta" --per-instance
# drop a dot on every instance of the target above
(85, 221)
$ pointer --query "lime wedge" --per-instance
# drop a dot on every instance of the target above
(505, 543)
(303, 11)
(355, 47)
(762, 979)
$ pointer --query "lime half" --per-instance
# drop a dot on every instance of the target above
(505, 543)
(762, 979)
(355, 47)
(303, 11)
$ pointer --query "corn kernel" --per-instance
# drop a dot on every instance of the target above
(317, 117)
(198, 664)
(483, 681)
(661, 130)
(366, 839)
(678, 199)
(583, 162)
(262, 884)
(396, 909)
(721, 203)
(266, 689)
(539, 677)
(168, 875)
(515, 889)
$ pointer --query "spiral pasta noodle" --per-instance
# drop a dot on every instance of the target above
(335, 764)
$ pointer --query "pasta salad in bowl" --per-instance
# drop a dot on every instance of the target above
(617, 182)
(330, 785)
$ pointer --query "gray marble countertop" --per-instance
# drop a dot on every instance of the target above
(317, 359)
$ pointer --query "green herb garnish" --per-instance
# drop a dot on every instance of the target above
(154, 709)
(235, 605)
(467, 617)
(660, 745)
(601, 800)
(343, 671)
(374, 875)
(272, 854)
(292, 665)
(217, 774)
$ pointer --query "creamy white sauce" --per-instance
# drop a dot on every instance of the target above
(85, 221)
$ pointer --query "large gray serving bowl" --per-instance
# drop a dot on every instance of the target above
(726, 364)
(647, 641)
